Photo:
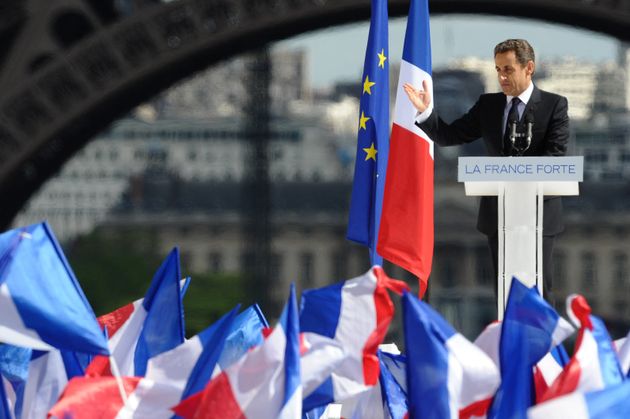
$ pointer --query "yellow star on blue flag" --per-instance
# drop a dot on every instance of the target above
(373, 137)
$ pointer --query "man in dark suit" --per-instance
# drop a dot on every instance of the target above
(488, 119)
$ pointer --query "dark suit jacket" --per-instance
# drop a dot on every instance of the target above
(550, 134)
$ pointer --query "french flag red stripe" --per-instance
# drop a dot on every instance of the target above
(92, 397)
(215, 401)
(406, 234)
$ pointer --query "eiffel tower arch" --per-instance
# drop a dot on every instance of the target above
(69, 68)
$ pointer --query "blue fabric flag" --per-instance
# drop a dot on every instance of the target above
(5, 412)
(163, 327)
(42, 305)
(246, 332)
(530, 329)
(373, 137)
(394, 394)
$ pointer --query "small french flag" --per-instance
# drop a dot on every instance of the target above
(263, 384)
(356, 314)
(443, 367)
(42, 305)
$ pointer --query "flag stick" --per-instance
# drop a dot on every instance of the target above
(116, 373)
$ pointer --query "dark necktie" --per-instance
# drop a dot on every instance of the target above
(512, 116)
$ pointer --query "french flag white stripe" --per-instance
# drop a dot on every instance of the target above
(476, 377)
(123, 343)
(404, 112)
(12, 328)
(549, 368)
(455, 379)
(164, 383)
(572, 406)
(590, 368)
(46, 380)
(151, 400)
(562, 331)
(624, 354)
(357, 321)
(323, 357)
(257, 380)
(292, 409)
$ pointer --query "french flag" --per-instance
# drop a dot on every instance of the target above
(356, 314)
(263, 384)
(146, 327)
(406, 232)
(530, 329)
(609, 403)
(594, 364)
(42, 305)
(447, 375)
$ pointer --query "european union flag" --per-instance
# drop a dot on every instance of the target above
(373, 138)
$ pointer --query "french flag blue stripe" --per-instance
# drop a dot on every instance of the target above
(418, 29)
(163, 327)
(320, 310)
(212, 340)
(608, 359)
(4, 403)
(427, 362)
(610, 403)
(322, 396)
(290, 322)
(246, 332)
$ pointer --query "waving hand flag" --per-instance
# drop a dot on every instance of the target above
(530, 329)
(373, 138)
(446, 374)
(594, 364)
(406, 232)
(42, 305)
(146, 327)
(355, 313)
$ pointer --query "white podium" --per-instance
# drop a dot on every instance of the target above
(520, 184)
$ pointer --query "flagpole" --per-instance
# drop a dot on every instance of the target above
(116, 373)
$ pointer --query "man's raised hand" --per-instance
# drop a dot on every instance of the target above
(420, 98)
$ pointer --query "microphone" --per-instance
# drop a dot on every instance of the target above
(512, 135)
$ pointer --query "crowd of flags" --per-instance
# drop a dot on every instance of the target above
(325, 358)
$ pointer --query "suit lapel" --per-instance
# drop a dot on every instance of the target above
(533, 101)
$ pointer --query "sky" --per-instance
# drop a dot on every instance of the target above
(338, 53)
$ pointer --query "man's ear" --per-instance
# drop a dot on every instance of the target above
(530, 67)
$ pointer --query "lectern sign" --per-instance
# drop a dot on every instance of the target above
(520, 169)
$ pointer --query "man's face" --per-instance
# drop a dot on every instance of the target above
(514, 78)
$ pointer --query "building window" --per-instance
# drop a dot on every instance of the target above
(484, 272)
(560, 269)
(340, 265)
(307, 268)
(216, 262)
(589, 272)
(275, 270)
(620, 270)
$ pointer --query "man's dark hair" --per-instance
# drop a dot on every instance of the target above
(523, 51)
